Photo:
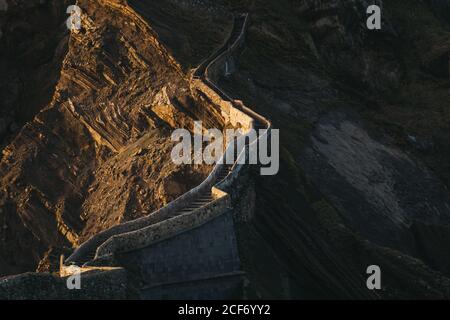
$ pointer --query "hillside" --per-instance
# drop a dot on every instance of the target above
(363, 116)
(98, 153)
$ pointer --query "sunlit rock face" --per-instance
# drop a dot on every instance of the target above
(85, 123)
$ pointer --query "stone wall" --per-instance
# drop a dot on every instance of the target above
(203, 256)
(112, 284)
(216, 69)
(218, 288)
(168, 228)
(231, 115)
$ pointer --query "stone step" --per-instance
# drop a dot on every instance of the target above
(191, 208)
(90, 256)
(201, 203)
(204, 198)
(204, 195)
(184, 211)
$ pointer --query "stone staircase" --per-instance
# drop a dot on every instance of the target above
(202, 199)
(198, 203)
(238, 26)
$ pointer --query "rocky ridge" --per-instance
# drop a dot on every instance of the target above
(106, 131)
(364, 125)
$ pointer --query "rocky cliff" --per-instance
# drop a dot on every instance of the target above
(96, 151)
(363, 117)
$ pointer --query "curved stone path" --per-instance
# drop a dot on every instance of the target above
(200, 197)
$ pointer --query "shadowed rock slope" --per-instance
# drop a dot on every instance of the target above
(32, 37)
(363, 119)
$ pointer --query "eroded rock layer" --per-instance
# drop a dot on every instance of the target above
(363, 117)
(99, 153)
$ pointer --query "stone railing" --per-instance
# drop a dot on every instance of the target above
(234, 111)
(144, 231)
(156, 217)
(144, 237)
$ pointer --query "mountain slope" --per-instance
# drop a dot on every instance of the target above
(99, 153)
(364, 124)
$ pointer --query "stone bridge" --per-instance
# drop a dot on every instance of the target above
(187, 249)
